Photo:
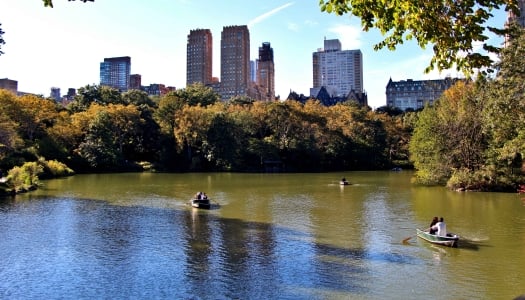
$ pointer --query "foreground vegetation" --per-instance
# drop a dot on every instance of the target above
(474, 137)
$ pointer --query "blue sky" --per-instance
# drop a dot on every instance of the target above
(63, 46)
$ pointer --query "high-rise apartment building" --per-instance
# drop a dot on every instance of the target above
(235, 61)
(199, 57)
(266, 73)
(115, 72)
(339, 71)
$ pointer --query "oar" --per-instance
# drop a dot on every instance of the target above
(408, 238)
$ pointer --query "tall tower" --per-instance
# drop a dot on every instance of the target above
(339, 71)
(115, 71)
(265, 72)
(199, 53)
(235, 61)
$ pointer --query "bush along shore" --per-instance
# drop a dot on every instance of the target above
(26, 177)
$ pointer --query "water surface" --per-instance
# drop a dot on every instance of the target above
(275, 236)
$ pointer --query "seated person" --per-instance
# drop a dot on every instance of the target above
(431, 230)
(441, 227)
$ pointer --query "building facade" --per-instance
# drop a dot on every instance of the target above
(339, 71)
(414, 94)
(235, 61)
(265, 72)
(135, 81)
(199, 54)
(9, 84)
(115, 72)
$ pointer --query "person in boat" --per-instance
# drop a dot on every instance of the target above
(198, 196)
(204, 196)
(441, 227)
(431, 230)
(343, 181)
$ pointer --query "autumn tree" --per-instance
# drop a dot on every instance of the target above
(34, 115)
(451, 28)
(9, 137)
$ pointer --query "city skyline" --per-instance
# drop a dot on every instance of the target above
(63, 46)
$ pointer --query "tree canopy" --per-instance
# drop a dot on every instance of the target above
(452, 28)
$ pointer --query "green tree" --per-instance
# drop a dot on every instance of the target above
(198, 94)
(50, 2)
(169, 105)
(452, 28)
(2, 42)
(95, 94)
(504, 117)
(449, 141)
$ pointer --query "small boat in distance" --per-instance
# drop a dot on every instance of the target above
(200, 200)
(344, 181)
(200, 203)
(451, 240)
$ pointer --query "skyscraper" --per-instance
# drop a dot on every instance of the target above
(235, 61)
(339, 71)
(199, 57)
(55, 94)
(115, 71)
(265, 72)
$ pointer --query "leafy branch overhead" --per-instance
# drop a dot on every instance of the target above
(50, 2)
(2, 42)
(453, 28)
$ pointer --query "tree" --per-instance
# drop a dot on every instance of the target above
(50, 2)
(2, 42)
(452, 27)
(198, 94)
(449, 138)
(504, 117)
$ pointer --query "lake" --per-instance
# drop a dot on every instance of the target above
(271, 236)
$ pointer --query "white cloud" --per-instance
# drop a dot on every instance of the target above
(293, 27)
(266, 15)
(348, 35)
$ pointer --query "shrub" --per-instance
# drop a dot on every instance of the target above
(24, 178)
(54, 168)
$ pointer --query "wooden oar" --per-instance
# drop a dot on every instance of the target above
(408, 238)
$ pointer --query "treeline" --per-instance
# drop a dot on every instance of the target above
(190, 129)
(473, 138)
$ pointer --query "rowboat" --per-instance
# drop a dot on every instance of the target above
(200, 203)
(451, 240)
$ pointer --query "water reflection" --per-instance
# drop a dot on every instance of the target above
(285, 237)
